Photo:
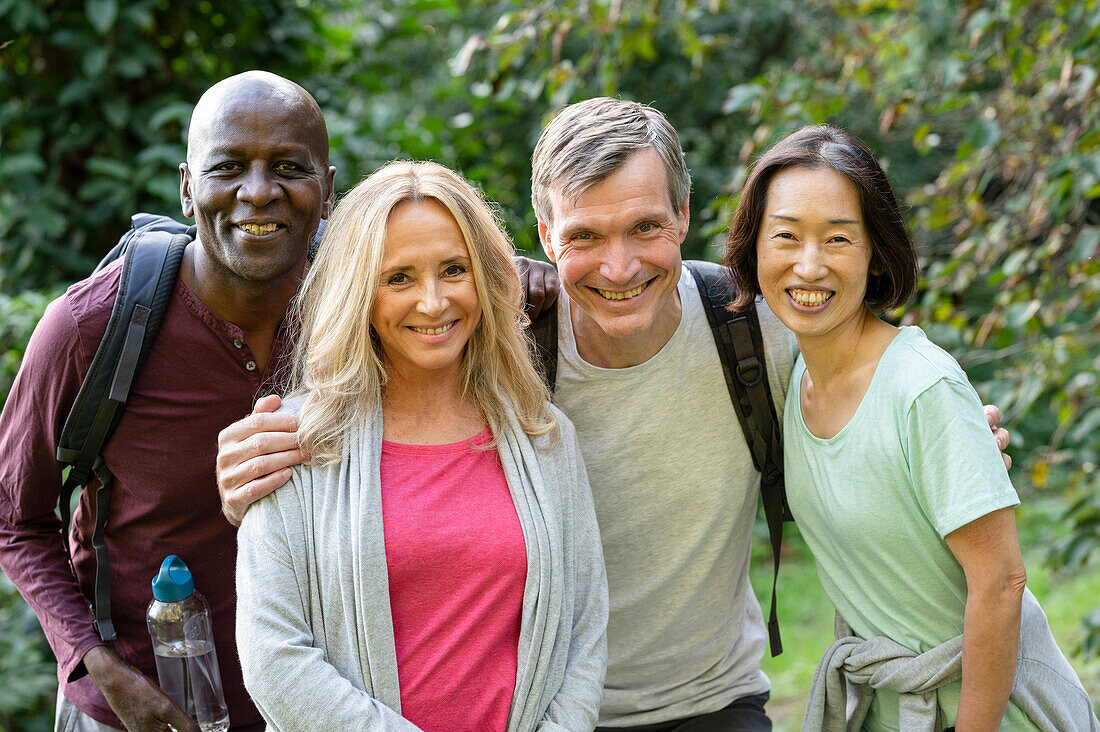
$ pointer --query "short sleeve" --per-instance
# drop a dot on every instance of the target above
(957, 470)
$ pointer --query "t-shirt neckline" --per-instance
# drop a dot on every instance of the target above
(470, 443)
(857, 416)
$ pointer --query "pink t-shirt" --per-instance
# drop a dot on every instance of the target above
(457, 568)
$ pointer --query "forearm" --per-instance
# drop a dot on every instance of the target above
(32, 552)
(34, 559)
(991, 637)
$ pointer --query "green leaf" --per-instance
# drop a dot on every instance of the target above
(101, 14)
(1079, 549)
(21, 164)
(115, 111)
(741, 97)
(110, 168)
(172, 112)
(1087, 241)
(95, 61)
(1014, 262)
(983, 133)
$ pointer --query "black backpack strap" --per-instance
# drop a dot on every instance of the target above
(741, 350)
(151, 262)
(544, 329)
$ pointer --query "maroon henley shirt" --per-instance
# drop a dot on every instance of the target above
(199, 378)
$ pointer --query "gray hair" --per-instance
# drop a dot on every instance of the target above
(588, 141)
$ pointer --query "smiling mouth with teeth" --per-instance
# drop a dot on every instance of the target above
(810, 298)
(434, 331)
(258, 229)
(628, 294)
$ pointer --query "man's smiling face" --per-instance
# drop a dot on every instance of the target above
(617, 248)
(257, 182)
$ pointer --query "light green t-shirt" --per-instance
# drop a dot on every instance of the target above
(915, 462)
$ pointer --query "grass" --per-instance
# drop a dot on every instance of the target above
(806, 615)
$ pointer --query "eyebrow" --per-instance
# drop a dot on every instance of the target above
(831, 221)
(568, 230)
(233, 151)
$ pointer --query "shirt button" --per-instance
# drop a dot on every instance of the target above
(238, 343)
(251, 365)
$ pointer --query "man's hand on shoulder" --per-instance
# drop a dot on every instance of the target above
(1000, 434)
(134, 698)
(255, 455)
(540, 284)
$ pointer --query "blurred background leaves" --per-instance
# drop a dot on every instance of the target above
(985, 114)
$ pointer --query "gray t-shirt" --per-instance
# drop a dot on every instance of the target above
(676, 497)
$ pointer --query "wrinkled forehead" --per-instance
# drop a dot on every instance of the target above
(636, 183)
(252, 114)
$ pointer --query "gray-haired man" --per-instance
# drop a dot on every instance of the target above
(639, 375)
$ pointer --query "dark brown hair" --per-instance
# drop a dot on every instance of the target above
(893, 270)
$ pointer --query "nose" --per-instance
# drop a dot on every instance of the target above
(259, 187)
(619, 263)
(809, 264)
(433, 298)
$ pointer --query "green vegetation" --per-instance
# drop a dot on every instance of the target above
(985, 112)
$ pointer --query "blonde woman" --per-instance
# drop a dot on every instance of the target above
(436, 565)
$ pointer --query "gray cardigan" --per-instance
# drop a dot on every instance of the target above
(314, 630)
(1045, 688)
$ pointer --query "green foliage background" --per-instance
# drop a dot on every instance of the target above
(986, 115)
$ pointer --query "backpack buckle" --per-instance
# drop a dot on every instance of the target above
(748, 371)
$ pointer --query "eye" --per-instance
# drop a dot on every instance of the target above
(784, 235)
(838, 239)
(287, 167)
(647, 227)
(398, 278)
(227, 167)
(454, 270)
(582, 236)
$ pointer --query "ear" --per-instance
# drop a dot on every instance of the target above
(546, 238)
(330, 192)
(684, 215)
(186, 203)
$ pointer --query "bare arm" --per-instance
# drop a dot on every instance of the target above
(255, 455)
(989, 552)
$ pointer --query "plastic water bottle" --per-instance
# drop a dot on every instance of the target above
(183, 644)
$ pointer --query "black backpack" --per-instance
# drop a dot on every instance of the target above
(741, 351)
(151, 253)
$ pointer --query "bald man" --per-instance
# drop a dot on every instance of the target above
(257, 181)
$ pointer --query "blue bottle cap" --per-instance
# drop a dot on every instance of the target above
(173, 582)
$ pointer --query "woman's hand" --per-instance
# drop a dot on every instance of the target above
(989, 552)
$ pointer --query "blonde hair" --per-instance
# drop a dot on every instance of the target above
(338, 362)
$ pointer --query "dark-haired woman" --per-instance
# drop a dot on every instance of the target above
(890, 472)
